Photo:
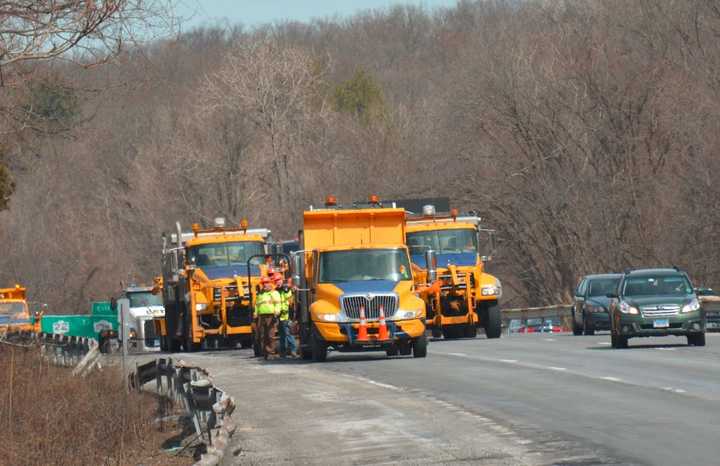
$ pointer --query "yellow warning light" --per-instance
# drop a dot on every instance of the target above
(244, 224)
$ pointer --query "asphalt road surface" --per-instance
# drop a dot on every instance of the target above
(522, 399)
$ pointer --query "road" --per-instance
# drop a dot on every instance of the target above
(523, 399)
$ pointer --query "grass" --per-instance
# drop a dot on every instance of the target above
(48, 416)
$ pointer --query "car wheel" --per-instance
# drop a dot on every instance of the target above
(697, 339)
(588, 326)
(419, 347)
(577, 330)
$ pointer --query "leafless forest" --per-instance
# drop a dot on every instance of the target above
(586, 132)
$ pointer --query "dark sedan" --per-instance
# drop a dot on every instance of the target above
(590, 309)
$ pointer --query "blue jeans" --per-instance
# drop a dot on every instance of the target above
(287, 341)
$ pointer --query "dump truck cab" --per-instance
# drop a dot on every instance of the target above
(139, 321)
(356, 289)
(207, 285)
(450, 270)
(14, 312)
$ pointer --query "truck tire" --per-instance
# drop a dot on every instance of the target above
(419, 347)
(319, 348)
(436, 331)
(697, 339)
(493, 321)
(470, 331)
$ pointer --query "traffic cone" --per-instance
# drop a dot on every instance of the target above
(362, 330)
(383, 330)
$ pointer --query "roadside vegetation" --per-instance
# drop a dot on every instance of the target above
(585, 132)
(48, 416)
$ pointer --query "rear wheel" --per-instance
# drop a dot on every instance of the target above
(697, 339)
(493, 320)
(419, 347)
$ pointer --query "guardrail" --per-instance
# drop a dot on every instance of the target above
(561, 312)
(208, 406)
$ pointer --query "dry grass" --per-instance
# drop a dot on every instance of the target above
(47, 416)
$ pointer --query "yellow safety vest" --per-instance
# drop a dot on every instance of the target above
(285, 298)
(267, 302)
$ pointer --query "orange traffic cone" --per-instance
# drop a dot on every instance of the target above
(362, 330)
(383, 330)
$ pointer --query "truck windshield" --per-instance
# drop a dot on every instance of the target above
(443, 241)
(225, 254)
(602, 286)
(13, 308)
(144, 299)
(364, 264)
(665, 285)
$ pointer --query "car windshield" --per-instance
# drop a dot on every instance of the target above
(602, 286)
(225, 254)
(144, 299)
(13, 308)
(443, 241)
(364, 264)
(653, 285)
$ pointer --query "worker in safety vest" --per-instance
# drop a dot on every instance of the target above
(287, 341)
(267, 311)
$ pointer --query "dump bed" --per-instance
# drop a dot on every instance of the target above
(326, 228)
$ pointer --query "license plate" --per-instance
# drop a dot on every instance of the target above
(661, 323)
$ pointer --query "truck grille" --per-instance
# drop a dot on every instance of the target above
(660, 311)
(351, 306)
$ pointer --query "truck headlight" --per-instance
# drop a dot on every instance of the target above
(693, 305)
(200, 306)
(492, 290)
(625, 308)
(402, 314)
(337, 317)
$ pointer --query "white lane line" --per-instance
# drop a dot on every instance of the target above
(549, 339)
(460, 355)
(511, 361)
(554, 368)
(603, 343)
(665, 349)
(611, 379)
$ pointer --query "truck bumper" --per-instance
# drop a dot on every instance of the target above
(346, 333)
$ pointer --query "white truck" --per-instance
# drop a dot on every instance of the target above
(138, 321)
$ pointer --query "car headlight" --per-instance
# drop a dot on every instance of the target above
(336, 317)
(625, 308)
(402, 314)
(693, 305)
(200, 306)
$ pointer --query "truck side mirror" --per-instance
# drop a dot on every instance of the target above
(431, 265)
(296, 258)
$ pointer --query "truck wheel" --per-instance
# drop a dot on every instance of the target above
(697, 339)
(246, 342)
(436, 331)
(319, 349)
(419, 347)
(588, 327)
(493, 323)
(470, 331)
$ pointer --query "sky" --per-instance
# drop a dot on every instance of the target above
(257, 12)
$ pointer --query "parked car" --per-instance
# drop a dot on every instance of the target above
(590, 307)
(655, 302)
(710, 301)
(552, 325)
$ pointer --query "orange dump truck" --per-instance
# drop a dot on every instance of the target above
(14, 313)
(356, 290)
